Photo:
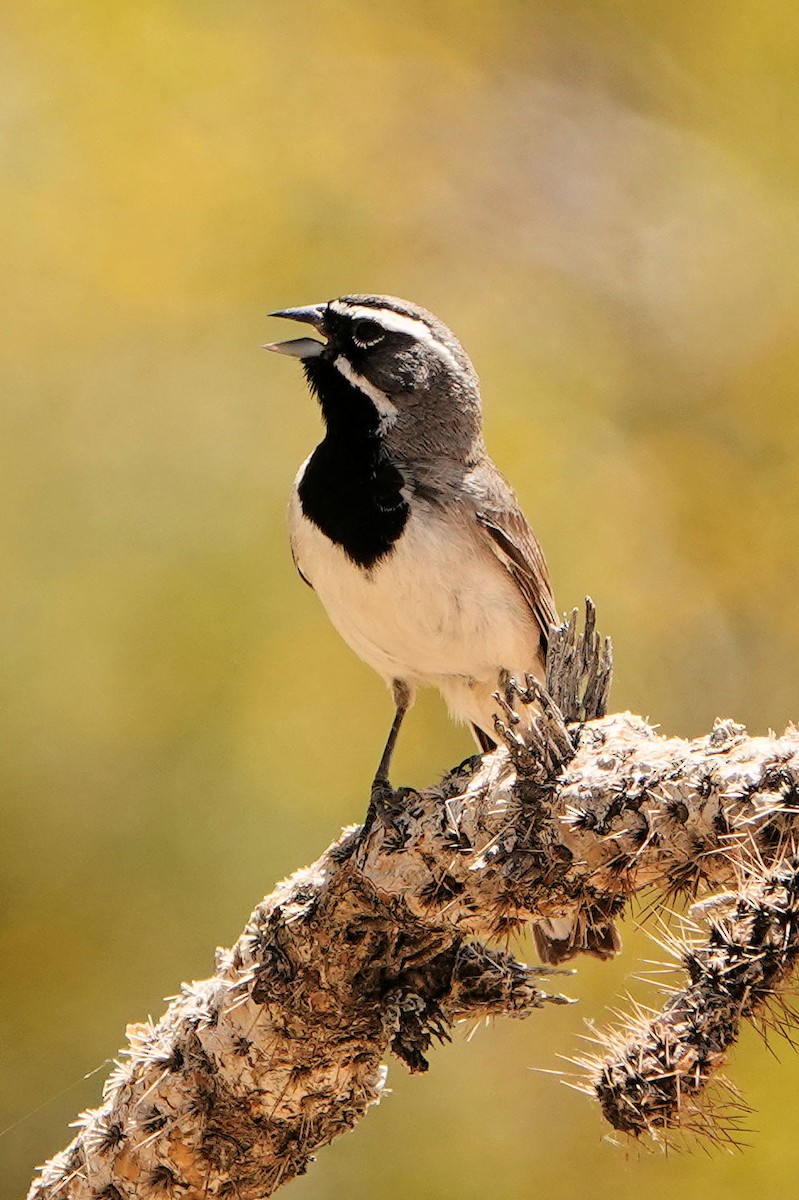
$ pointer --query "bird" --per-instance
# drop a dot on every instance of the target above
(407, 531)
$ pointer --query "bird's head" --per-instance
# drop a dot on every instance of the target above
(389, 368)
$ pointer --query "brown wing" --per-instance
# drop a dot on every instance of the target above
(517, 548)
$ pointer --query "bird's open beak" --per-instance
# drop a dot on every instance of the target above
(297, 347)
(305, 347)
(314, 314)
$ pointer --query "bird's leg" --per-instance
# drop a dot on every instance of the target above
(382, 791)
(402, 699)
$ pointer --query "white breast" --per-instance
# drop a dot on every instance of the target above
(439, 610)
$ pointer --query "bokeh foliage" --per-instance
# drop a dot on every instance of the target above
(601, 199)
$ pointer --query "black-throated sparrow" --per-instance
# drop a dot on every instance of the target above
(405, 528)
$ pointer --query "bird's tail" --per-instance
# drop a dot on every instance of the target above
(558, 939)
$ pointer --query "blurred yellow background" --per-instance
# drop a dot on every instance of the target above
(601, 199)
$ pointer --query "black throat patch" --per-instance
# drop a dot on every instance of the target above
(350, 489)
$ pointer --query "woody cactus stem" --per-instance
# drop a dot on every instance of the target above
(656, 1077)
(251, 1071)
(380, 945)
(579, 668)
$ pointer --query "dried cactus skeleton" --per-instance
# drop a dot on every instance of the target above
(382, 944)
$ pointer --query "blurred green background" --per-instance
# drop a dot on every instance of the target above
(601, 199)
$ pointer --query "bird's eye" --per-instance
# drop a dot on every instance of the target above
(367, 333)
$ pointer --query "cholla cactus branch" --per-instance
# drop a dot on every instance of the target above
(249, 1072)
(543, 748)
(579, 668)
(380, 944)
(656, 1077)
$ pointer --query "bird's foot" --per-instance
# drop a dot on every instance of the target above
(381, 802)
(386, 807)
(382, 795)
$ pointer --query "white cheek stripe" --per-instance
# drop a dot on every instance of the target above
(299, 476)
(398, 323)
(387, 410)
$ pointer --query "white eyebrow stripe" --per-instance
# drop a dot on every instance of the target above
(398, 323)
(384, 406)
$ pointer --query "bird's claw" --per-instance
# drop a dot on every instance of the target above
(382, 795)
(382, 799)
